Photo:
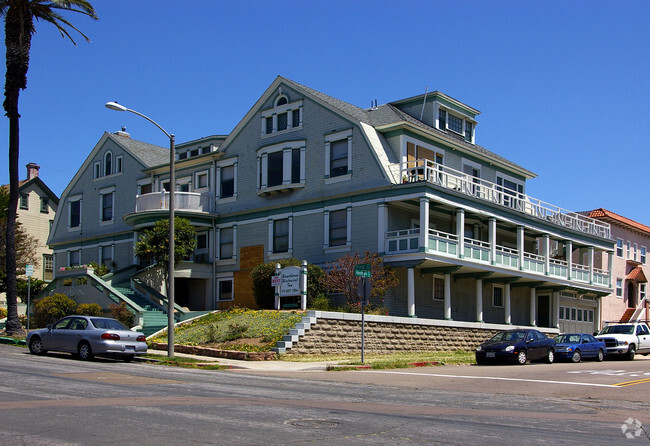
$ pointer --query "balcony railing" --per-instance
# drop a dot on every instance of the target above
(447, 245)
(426, 170)
(183, 201)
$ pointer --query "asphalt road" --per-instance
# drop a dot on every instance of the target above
(55, 400)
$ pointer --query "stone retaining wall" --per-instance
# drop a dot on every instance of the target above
(217, 353)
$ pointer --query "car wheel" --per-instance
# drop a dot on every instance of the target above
(128, 358)
(630, 353)
(577, 357)
(600, 356)
(36, 346)
(85, 352)
(550, 356)
(522, 357)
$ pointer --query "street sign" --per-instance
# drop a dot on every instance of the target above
(29, 270)
(364, 289)
(276, 280)
(363, 270)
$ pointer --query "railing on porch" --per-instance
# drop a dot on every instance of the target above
(183, 201)
(427, 170)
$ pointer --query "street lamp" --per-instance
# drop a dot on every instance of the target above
(172, 182)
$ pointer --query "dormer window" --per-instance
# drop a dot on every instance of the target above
(448, 121)
(285, 116)
(281, 167)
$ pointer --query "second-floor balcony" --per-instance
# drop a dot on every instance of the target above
(446, 177)
(183, 201)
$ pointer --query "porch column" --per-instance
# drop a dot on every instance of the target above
(382, 225)
(555, 310)
(424, 224)
(591, 264)
(492, 238)
(508, 313)
(533, 307)
(410, 299)
(569, 258)
(448, 297)
(520, 246)
(479, 300)
(547, 254)
(460, 232)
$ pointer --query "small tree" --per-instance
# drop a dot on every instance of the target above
(52, 308)
(122, 313)
(89, 310)
(35, 287)
(153, 245)
(341, 279)
(265, 294)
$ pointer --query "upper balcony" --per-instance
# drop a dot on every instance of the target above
(429, 171)
(183, 201)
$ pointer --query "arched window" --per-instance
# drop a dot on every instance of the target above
(108, 163)
(281, 100)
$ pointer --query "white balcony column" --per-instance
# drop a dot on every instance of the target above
(520, 246)
(508, 313)
(555, 310)
(410, 273)
(479, 300)
(547, 254)
(569, 258)
(382, 226)
(492, 238)
(424, 225)
(460, 231)
(533, 307)
(590, 259)
(448, 297)
(610, 266)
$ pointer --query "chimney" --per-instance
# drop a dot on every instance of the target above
(32, 170)
(123, 132)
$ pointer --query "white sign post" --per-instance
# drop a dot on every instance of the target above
(290, 281)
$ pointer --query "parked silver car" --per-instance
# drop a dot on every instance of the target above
(87, 336)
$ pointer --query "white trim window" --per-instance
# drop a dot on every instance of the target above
(24, 201)
(512, 189)
(281, 167)
(284, 117)
(74, 257)
(642, 258)
(452, 121)
(642, 291)
(338, 156)
(226, 243)
(497, 296)
(145, 186)
(97, 169)
(225, 289)
(74, 213)
(619, 287)
(338, 230)
(438, 287)
(106, 205)
(619, 247)
(628, 247)
(108, 163)
(200, 254)
(201, 180)
(106, 254)
(280, 237)
(227, 179)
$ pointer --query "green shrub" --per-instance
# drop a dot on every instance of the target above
(321, 302)
(89, 310)
(3, 312)
(122, 313)
(265, 294)
(50, 309)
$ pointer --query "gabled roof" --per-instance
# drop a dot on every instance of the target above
(24, 184)
(612, 217)
(148, 154)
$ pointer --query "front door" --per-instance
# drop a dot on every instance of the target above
(543, 311)
(631, 295)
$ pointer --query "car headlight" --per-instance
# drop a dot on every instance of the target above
(510, 348)
(479, 348)
(569, 349)
(622, 342)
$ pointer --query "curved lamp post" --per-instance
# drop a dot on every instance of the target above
(172, 182)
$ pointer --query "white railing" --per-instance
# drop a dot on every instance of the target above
(426, 170)
(183, 201)
(405, 240)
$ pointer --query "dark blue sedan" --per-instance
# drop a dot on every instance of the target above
(575, 346)
(518, 346)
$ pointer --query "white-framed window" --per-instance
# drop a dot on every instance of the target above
(497, 296)
(642, 291)
(201, 180)
(119, 161)
(226, 243)
(642, 258)
(285, 116)
(202, 247)
(636, 252)
(281, 166)
(24, 201)
(184, 184)
(45, 205)
(438, 287)
(145, 186)
(338, 231)
(338, 155)
(74, 257)
(619, 287)
(97, 169)
(591, 316)
(106, 201)
(511, 188)
(226, 179)
(561, 313)
(280, 232)
(74, 212)
(106, 254)
(579, 313)
(225, 289)
(619, 247)
(462, 125)
(628, 247)
(48, 266)
(108, 163)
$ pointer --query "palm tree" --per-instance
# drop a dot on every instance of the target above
(19, 27)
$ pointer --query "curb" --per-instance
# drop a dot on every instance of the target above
(369, 366)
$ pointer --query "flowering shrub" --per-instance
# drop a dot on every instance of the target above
(69, 268)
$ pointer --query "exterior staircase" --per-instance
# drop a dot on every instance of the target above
(154, 319)
(627, 315)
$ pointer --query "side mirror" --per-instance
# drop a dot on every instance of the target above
(49, 326)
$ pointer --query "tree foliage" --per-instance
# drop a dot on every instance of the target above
(50, 309)
(19, 18)
(265, 294)
(341, 279)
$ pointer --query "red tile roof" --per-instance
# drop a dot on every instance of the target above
(611, 217)
(637, 275)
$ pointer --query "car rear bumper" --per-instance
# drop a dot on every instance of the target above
(501, 356)
(119, 348)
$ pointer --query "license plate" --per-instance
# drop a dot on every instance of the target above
(489, 355)
(130, 348)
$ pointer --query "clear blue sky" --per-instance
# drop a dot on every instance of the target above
(563, 86)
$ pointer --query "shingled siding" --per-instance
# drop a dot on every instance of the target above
(341, 333)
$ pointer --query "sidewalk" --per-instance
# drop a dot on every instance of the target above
(267, 366)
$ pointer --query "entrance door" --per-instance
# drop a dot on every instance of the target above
(631, 295)
(543, 311)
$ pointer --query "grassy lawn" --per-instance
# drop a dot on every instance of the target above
(389, 361)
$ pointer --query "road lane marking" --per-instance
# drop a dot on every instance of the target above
(631, 383)
(495, 378)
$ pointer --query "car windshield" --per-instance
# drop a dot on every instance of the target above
(618, 329)
(509, 336)
(568, 339)
(108, 324)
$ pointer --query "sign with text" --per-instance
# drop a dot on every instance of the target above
(290, 281)
(29, 270)
(363, 270)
